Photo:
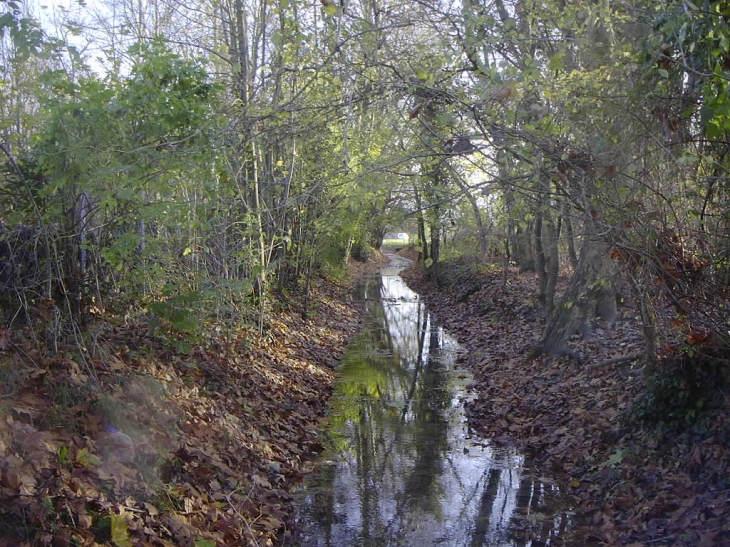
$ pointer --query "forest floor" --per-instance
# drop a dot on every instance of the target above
(134, 443)
(583, 422)
(131, 441)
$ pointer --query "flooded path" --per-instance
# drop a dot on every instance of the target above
(400, 467)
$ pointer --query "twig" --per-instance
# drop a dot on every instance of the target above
(657, 540)
(617, 360)
(240, 516)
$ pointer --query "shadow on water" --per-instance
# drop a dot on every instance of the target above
(400, 467)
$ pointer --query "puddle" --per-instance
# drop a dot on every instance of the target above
(400, 466)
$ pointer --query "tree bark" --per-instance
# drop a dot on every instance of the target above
(589, 286)
(546, 244)
(481, 229)
(423, 251)
(521, 248)
(569, 237)
(552, 264)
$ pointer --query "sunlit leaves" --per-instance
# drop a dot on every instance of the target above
(329, 7)
(557, 61)
(135, 148)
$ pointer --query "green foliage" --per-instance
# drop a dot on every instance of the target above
(62, 454)
(694, 40)
(120, 160)
(25, 33)
(119, 530)
(178, 314)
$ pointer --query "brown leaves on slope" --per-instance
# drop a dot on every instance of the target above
(633, 486)
(143, 446)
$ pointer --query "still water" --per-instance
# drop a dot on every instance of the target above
(400, 466)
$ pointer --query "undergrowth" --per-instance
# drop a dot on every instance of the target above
(682, 390)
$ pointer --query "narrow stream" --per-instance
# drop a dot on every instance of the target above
(400, 467)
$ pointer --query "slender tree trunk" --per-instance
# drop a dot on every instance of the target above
(550, 233)
(640, 282)
(540, 251)
(481, 229)
(518, 237)
(546, 245)
(261, 279)
(569, 236)
(241, 57)
(435, 249)
(422, 237)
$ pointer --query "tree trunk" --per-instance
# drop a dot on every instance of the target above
(423, 251)
(522, 248)
(589, 290)
(520, 243)
(435, 250)
(569, 237)
(483, 233)
(540, 258)
(640, 283)
(552, 264)
(546, 245)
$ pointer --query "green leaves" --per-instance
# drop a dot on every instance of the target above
(62, 454)
(696, 41)
(181, 311)
(7, 20)
(85, 458)
(24, 32)
(119, 531)
(329, 7)
(557, 61)
(135, 148)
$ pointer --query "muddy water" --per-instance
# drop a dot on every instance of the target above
(400, 467)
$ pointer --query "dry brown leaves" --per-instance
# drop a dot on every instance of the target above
(142, 446)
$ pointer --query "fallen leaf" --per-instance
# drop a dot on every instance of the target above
(120, 531)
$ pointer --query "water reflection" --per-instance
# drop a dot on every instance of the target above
(400, 468)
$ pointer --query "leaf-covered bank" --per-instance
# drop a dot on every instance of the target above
(146, 446)
(636, 483)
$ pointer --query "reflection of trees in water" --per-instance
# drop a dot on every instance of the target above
(429, 402)
(396, 425)
(390, 424)
(534, 499)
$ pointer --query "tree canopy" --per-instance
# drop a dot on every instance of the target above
(154, 149)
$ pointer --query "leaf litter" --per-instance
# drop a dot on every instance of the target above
(140, 445)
